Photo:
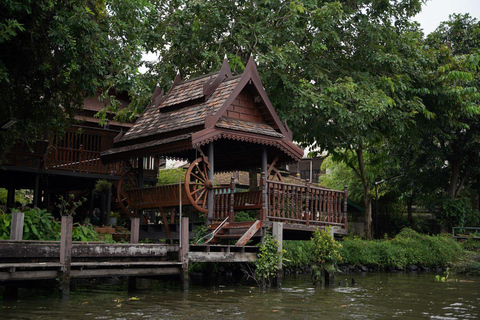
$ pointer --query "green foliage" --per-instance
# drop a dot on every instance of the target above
(266, 266)
(5, 221)
(40, 225)
(297, 253)
(84, 233)
(68, 206)
(46, 46)
(468, 264)
(170, 176)
(20, 196)
(407, 248)
(325, 254)
(102, 185)
(244, 216)
(458, 213)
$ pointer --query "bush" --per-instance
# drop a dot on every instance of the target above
(407, 248)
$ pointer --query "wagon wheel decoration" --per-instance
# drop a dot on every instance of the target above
(273, 174)
(197, 185)
(128, 180)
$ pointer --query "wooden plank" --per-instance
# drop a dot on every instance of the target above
(222, 256)
(249, 234)
(127, 264)
(30, 265)
(138, 272)
(29, 275)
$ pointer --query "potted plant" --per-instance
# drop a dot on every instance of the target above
(113, 218)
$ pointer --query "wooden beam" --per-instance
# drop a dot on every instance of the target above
(222, 256)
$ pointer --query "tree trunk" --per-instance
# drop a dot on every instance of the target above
(368, 211)
(366, 193)
(455, 163)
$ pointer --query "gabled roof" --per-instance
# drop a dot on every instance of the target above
(204, 109)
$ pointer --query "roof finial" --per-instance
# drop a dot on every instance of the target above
(225, 58)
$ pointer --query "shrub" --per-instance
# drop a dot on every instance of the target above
(266, 266)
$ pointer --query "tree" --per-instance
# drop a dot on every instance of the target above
(339, 71)
(53, 54)
(439, 156)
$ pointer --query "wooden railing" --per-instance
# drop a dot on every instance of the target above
(156, 197)
(306, 204)
(277, 201)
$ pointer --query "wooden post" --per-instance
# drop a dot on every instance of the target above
(210, 199)
(184, 249)
(66, 253)
(345, 204)
(108, 205)
(134, 238)
(231, 212)
(278, 235)
(265, 161)
(16, 228)
(135, 230)
(264, 210)
(308, 196)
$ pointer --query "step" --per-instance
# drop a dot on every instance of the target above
(234, 225)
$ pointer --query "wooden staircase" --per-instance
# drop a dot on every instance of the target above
(240, 231)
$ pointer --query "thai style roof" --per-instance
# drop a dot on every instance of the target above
(234, 112)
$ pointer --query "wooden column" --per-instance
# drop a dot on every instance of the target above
(184, 249)
(263, 186)
(66, 253)
(36, 191)
(262, 183)
(345, 205)
(211, 160)
(16, 228)
(108, 205)
(135, 230)
(277, 232)
(231, 211)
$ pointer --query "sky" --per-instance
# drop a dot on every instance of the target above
(436, 11)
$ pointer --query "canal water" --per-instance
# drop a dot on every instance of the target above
(375, 296)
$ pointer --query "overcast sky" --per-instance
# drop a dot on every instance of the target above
(436, 11)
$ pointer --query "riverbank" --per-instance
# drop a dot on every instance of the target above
(408, 251)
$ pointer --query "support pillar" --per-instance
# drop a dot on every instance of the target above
(231, 211)
(16, 228)
(263, 182)
(264, 161)
(135, 230)
(183, 254)
(66, 254)
(134, 238)
(108, 205)
(36, 191)
(211, 160)
(277, 232)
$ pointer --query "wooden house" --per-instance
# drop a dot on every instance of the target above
(222, 123)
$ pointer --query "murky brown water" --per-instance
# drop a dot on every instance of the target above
(376, 296)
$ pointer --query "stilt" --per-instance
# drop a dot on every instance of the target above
(134, 238)
(184, 248)
(66, 255)
(278, 235)
(210, 177)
